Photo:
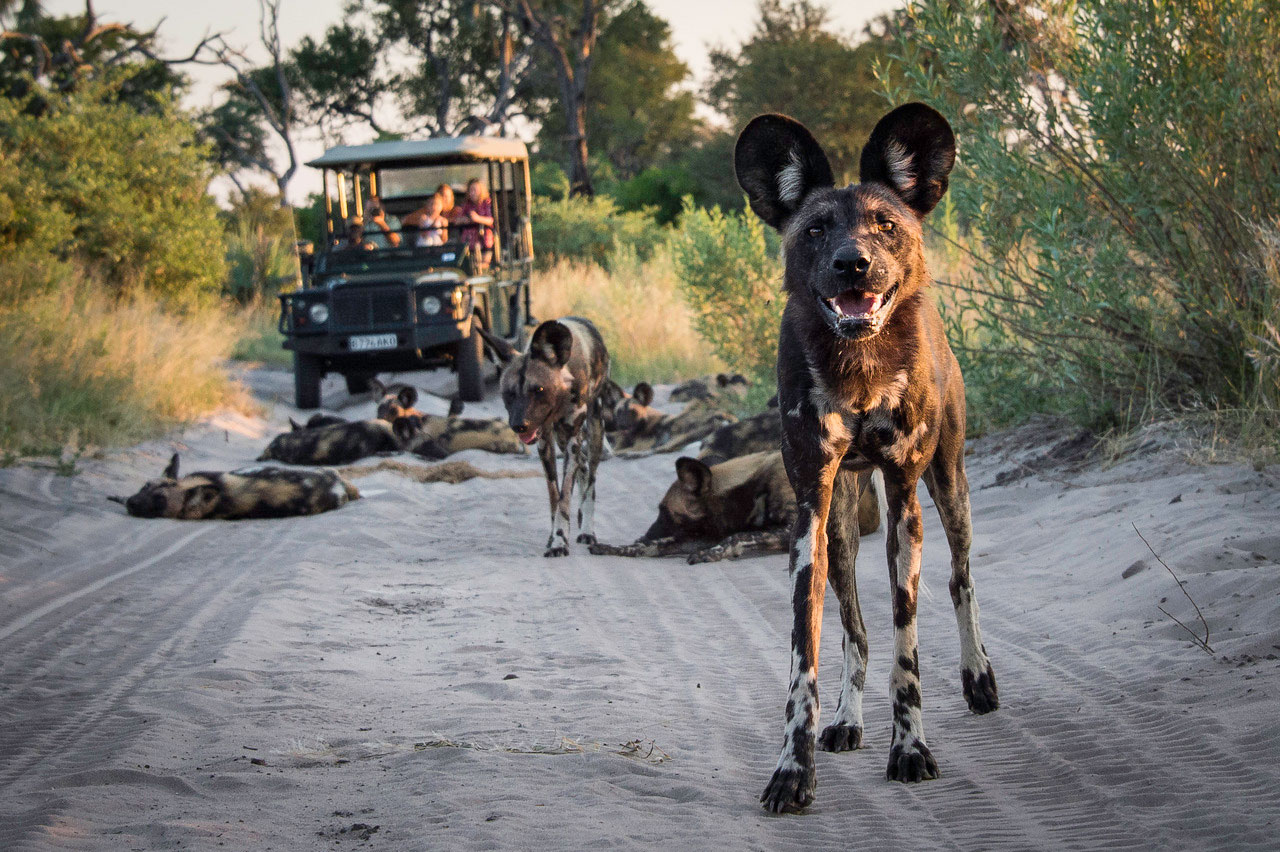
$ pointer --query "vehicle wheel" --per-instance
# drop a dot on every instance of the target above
(357, 383)
(308, 370)
(470, 360)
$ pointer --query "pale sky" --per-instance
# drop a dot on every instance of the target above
(695, 25)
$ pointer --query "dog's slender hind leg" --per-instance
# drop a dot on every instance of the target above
(949, 488)
(909, 757)
(845, 731)
(592, 449)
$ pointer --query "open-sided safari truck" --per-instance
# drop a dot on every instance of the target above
(385, 303)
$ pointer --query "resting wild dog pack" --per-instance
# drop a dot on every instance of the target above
(866, 380)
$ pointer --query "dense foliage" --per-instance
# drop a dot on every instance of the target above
(1116, 162)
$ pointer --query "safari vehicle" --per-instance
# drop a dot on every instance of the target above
(388, 304)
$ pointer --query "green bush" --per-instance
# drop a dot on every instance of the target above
(732, 279)
(91, 179)
(1115, 162)
(589, 229)
(261, 260)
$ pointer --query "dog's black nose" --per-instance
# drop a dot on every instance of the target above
(851, 262)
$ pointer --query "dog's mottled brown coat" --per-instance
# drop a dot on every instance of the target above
(866, 380)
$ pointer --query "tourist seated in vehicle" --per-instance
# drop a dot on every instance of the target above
(429, 221)
(475, 217)
(378, 216)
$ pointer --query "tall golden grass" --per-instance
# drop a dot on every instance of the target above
(639, 310)
(86, 369)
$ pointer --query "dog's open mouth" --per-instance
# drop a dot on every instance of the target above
(860, 306)
(528, 437)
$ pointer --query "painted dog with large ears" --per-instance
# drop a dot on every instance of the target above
(553, 395)
(865, 380)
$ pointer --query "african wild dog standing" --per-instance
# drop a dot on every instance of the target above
(552, 395)
(256, 492)
(865, 380)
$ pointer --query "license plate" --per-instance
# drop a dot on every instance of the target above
(366, 342)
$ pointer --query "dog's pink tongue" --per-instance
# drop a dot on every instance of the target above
(529, 438)
(852, 303)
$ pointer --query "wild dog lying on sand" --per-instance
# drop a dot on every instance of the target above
(437, 437)
(552, 395)
(758, 433)
(254, 492)
(316, 421)
(740, 507)
(337, 444)
(398, 400)
(865, 380)
(710, 387)
(642, 428)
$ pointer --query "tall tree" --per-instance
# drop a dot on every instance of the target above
(566, 30)
(261, 102)
(797, 64)
(637, 116)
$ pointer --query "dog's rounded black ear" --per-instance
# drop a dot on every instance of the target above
(693, 475)
(295, 426)
(377, 388)
(643, 394)
(778, 163)
(552, 342)
(171, 472)
(912, 150)
(408, 396)
(455, 407)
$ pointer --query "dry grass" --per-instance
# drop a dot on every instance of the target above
(85, 370)
(261, 341)
(639, 310)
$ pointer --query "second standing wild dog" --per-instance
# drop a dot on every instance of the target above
(553, 396)
(866, 380)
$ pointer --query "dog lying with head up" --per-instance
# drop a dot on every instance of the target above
(733, 509)
(552, 394)
(255, 492)
(866, 380)
(643, 430)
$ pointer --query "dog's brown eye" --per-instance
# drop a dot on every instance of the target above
(885, 224)
(815, 231)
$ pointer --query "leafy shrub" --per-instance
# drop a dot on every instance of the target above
(588, 229)
(92, 179)
(261, 259)
(732, 278)
(1115, 161)
(660, 189)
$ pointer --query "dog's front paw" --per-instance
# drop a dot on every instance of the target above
(790, 789)
(980, 690)
(841, 738)
(556, 550)
(586, 538)
(911, 762)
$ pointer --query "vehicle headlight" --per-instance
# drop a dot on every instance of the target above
(319, 313)
(431, 305)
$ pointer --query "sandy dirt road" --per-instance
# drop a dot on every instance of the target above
(409, 673)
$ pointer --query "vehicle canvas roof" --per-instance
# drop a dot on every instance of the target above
(419, 152)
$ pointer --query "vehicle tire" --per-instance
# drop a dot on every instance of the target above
(308, 370)
(357, 383)
(470, 360)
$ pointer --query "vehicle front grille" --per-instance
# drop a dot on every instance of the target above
(371, 308)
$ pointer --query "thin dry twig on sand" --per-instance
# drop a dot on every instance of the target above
(1203, 644)
(452, 472)
(642, 750)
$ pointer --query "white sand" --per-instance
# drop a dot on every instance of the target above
(364, 656)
